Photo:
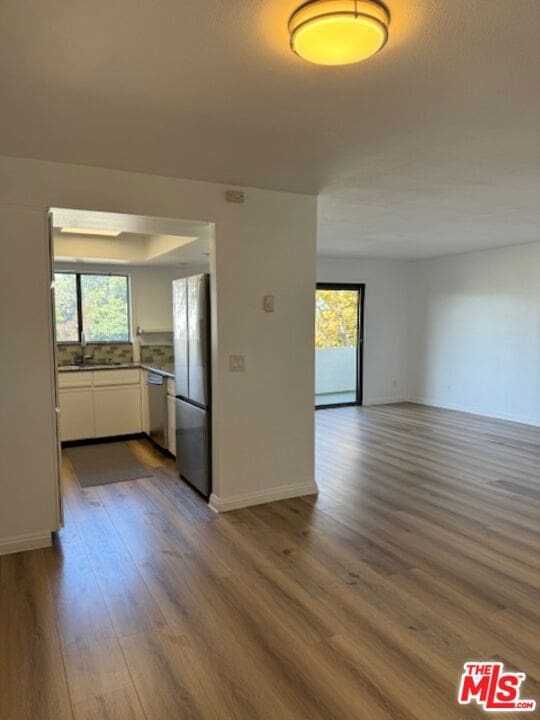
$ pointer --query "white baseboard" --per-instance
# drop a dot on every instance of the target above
(262, 496)
(19, 543)
(384, 401)
(431, 402)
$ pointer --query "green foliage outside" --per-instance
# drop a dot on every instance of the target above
(105, 308)
(65, 292)
(336, 313)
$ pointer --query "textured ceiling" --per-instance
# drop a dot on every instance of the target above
(430, 147)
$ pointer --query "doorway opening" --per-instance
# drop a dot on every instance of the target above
(339, 339)
(119, 339)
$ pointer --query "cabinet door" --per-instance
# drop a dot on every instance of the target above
(117, 410)
(171, 387)
(144, 403)
(171, 424)
(76, 414)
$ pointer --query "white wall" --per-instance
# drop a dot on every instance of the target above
(262, 423)
(28, 488)
(460, 332)
(388, 294)
(151, 295)
(475, 342)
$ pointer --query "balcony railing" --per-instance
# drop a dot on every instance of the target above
(335, 375)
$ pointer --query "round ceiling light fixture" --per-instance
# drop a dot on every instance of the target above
(338, 32)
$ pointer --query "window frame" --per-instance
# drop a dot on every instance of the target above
(78, 289)
(360, 288)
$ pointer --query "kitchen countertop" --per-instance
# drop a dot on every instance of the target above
(165, 370)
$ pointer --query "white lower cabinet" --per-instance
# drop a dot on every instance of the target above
(94, 405)
(76, 413)
(171, 424)
(145, 413)
(117, 410)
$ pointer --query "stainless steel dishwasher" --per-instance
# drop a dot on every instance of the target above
(157, 408)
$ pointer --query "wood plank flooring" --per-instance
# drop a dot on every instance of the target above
(421, 552)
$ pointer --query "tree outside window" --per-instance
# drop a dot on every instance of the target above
(336, 317)
(97, 305)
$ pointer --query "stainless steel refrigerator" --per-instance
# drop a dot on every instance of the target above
(191, 312)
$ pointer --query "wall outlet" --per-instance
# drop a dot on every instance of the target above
(237, 363)
(269, 303)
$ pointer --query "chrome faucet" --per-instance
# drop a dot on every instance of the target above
(84, 356)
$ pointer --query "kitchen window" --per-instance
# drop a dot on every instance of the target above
(91, 304)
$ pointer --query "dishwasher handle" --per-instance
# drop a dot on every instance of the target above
(154, 379)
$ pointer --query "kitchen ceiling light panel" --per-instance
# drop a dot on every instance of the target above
(91, 231)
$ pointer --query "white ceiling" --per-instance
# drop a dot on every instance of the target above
(430, 147)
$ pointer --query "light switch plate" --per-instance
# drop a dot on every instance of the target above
(237, 363)
(269, 303)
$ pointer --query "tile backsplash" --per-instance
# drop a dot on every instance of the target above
(157, 355)
(160, 355)
(100, 352)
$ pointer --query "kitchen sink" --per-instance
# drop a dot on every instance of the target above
(94, 366)
(103, 365)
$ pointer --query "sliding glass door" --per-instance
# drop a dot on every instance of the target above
(338, 344)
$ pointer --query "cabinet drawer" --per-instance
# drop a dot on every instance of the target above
(130, 376)
(74, 379)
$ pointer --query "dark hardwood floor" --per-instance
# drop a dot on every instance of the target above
(421, 552)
